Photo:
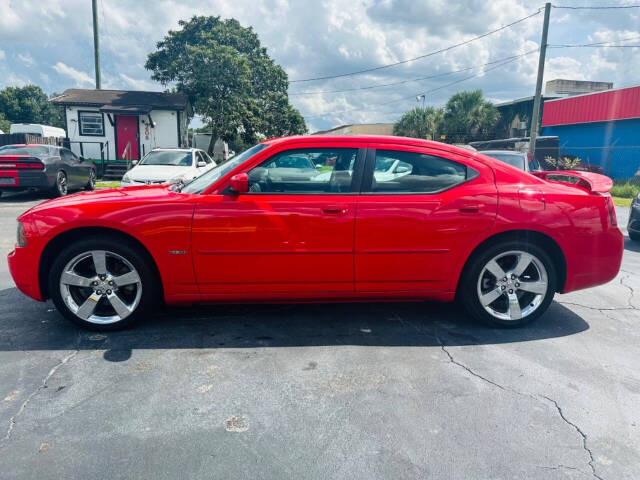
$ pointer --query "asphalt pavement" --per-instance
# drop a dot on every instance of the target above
(355, 391)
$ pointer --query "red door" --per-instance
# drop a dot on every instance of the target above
(127, 134)
(291, 236)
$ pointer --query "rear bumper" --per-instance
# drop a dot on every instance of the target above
(21, 179)
(593, 260)
(24, 270)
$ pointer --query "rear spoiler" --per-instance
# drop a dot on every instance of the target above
(593, 182)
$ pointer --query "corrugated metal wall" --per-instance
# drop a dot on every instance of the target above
(595, 107)
(615, 145)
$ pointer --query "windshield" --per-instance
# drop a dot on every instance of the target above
(201, 183)
(513, 160)
(164, 157)
(16, 150)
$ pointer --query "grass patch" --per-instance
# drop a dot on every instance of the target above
(622, 201)
(111, 184)
(625, 188)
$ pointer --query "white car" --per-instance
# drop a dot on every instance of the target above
(164, 165)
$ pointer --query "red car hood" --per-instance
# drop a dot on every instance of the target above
(115, 196)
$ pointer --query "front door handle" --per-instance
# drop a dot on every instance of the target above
(334, 209)
(470, 208)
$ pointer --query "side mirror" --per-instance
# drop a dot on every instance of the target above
(201, 164)
(81, 158)
(134, 162)
(240, 183)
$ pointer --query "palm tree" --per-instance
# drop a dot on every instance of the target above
(419, 123)
(468, 115)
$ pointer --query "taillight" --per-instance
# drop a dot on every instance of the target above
(612, 210)
(21, 237)
(22, 165)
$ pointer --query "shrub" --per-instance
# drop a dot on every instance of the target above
(624, 188)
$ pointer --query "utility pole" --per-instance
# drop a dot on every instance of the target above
(535, 117)
(96, 42)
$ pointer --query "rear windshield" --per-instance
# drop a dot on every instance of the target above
(18, 150)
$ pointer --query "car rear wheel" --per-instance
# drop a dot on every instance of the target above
(91, 183)
(102, 284)
(61, 187)
(509, 284)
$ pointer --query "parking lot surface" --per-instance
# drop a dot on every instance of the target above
(399, 390)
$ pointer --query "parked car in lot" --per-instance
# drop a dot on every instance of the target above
(459, 224)
(55, 170)
(168, 164)
(522, 160)
(633, 225)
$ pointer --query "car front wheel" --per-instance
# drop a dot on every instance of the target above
(509, 285)
(102, 284)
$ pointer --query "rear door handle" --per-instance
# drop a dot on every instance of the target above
(334, 209)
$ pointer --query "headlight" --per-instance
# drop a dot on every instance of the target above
(21, 238)
(126, 178)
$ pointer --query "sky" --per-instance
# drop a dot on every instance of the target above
(50, 43)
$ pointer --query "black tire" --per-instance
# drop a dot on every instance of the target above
(468, 287)
(635, 236)
(133, 254)
(61, 186)
(91, 183)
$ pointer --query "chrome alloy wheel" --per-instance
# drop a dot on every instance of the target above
(512, 285)
(61, 184)
(100, 287)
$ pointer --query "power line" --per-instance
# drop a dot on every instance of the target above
(607, 7)
(359, 72)
(598, 44)
(425, 92)
(381, 85)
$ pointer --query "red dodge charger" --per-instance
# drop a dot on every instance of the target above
(321, 218)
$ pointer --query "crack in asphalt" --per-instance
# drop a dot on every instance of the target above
(534, 397)
(631, 292)
(43, 385)
(582, 434)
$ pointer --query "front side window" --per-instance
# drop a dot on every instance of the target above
(305, 170)
(201, 183)
(413, 172)
(91, 124)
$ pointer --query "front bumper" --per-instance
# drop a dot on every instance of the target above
(21, 179)
(24, 270)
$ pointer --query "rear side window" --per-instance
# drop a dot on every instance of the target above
(413, 172)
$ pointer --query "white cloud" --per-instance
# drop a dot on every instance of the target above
(138, 84)
(26, 59)
(81, 78)
(564, 67)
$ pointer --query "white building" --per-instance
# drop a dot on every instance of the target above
(123, 124)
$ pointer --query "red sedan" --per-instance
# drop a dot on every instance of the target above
(325, 219)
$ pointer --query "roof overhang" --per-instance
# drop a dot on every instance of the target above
(126, 110)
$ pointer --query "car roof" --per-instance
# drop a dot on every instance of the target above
(390, 139)
(502, 152)
(174, 150)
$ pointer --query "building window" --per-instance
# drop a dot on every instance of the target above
(91, 124)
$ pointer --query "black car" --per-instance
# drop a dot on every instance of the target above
(522, 160)
(56, 170)
(633, 227)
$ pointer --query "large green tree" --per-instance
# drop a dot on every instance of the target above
(229, 77)
(468, 116)
(419, 123)
(29, 104)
